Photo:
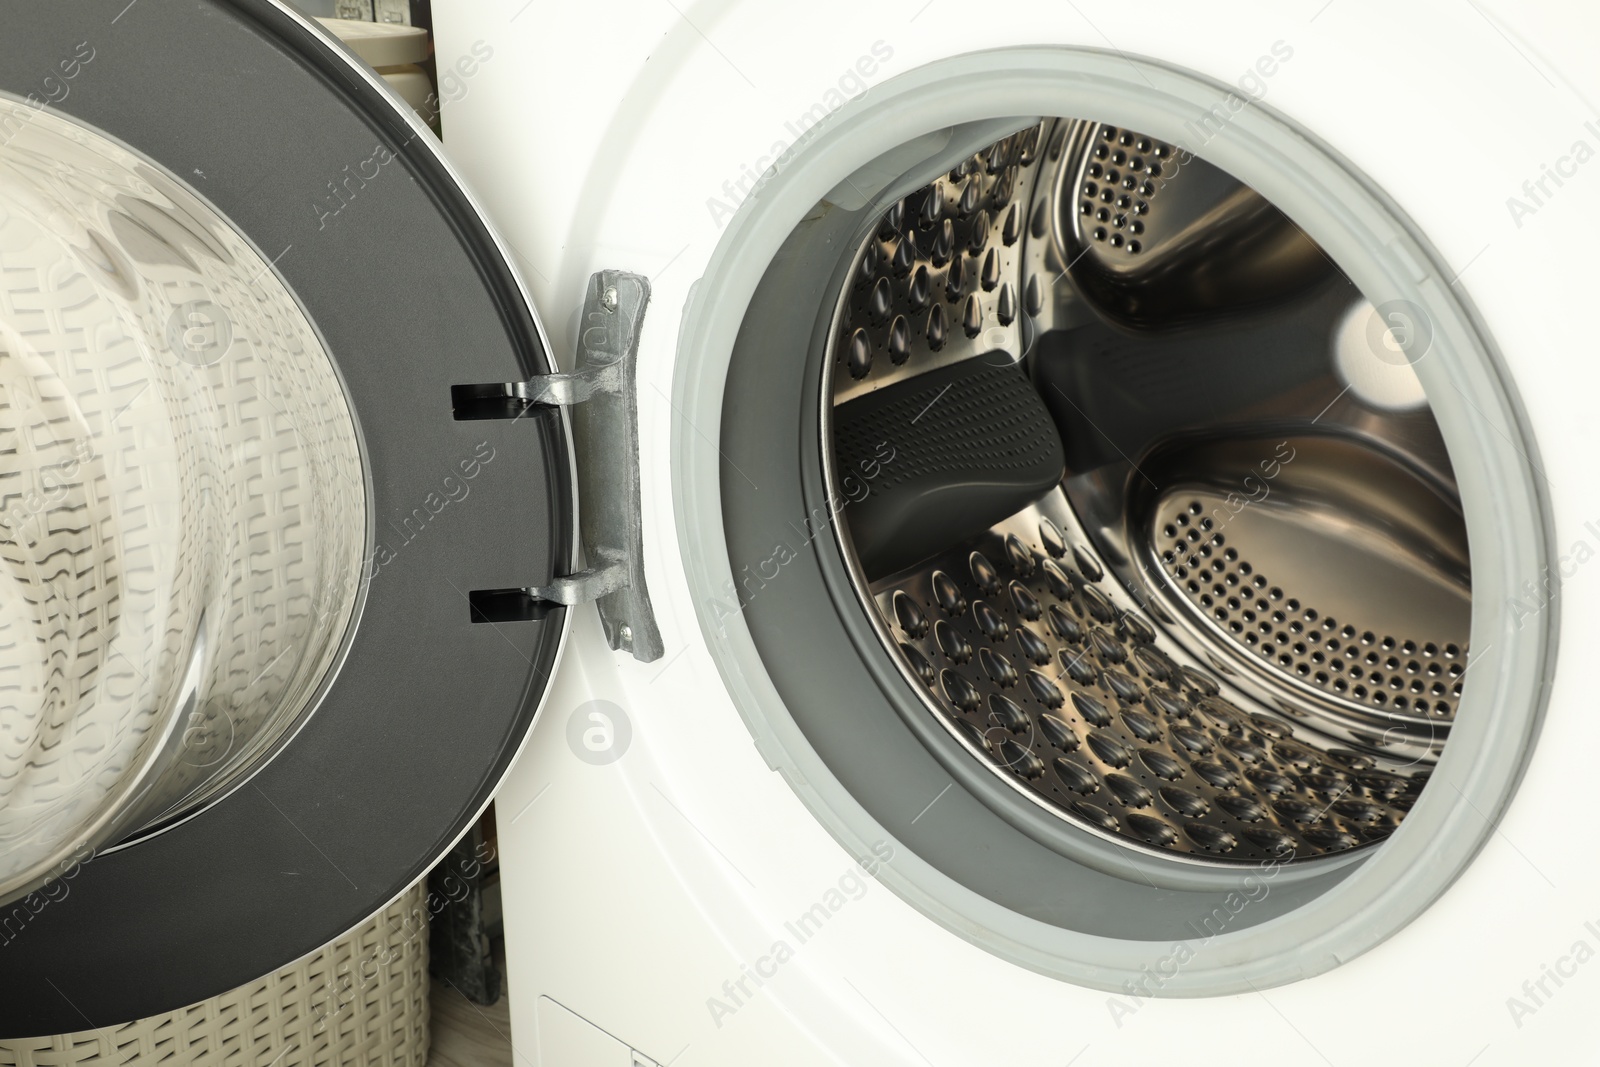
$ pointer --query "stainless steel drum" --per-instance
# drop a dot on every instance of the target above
(182, 498)
(1147, 500)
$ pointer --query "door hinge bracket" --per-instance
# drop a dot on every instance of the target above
(565, 390)
(591, 583)
(600, 395)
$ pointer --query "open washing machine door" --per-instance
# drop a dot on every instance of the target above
(288, 502)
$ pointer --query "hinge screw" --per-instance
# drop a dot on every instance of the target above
(625, 637)
(608, 299)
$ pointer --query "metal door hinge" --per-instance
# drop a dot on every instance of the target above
(600, 394)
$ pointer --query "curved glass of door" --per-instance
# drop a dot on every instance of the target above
(183, 505)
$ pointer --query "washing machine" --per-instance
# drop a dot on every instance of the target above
(1114, 494)
(1026, 535)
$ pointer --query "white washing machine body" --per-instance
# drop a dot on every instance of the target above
(671, 894)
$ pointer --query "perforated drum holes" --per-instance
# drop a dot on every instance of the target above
(1121, 176)
(1353, 659)
(1232, 665)
(1061, 683)
(937, 282)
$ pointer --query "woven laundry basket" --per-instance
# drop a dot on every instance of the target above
(318, 1012)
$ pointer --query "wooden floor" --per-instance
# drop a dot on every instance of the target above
(467, 1035)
